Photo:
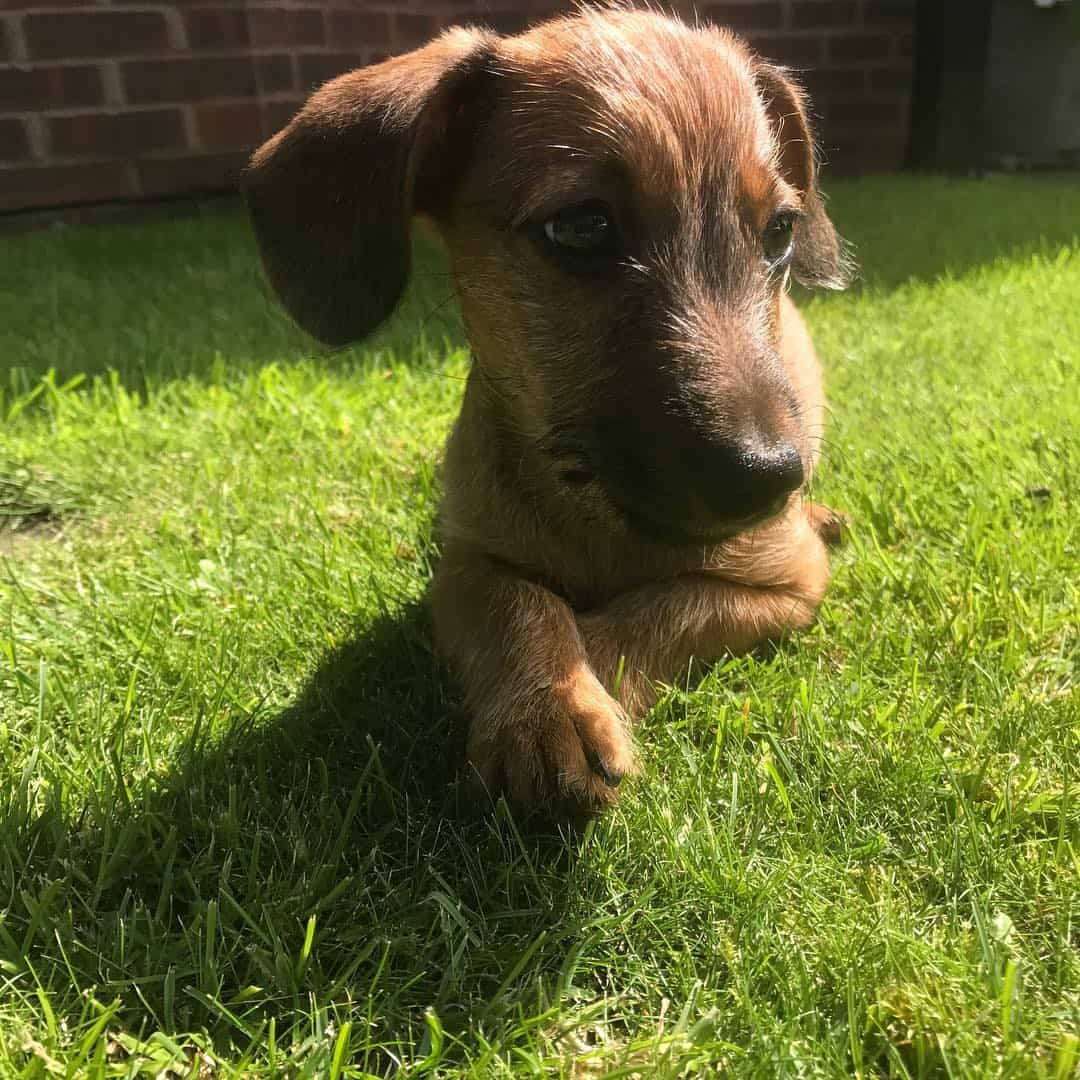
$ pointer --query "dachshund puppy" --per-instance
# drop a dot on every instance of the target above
(623, 198)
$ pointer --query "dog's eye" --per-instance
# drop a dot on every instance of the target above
(587, 228)
(778, 240)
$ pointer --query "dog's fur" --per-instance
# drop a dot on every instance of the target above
(597, 403)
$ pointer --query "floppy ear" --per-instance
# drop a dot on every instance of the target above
(332, 195)
(819, 258)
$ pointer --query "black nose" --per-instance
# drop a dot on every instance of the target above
(684, 485)
(730, 482)
(755, 481)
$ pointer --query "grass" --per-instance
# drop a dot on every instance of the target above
(230, 840)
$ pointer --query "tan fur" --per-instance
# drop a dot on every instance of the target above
(546, 589)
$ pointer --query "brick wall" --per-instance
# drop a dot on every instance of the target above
(104, 100)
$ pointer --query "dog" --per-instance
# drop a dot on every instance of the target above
(623, 199)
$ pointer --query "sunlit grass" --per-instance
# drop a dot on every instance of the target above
(230, 840)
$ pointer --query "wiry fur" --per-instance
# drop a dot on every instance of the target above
(547, 586)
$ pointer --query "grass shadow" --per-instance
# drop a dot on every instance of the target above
(960, 225)
(344, 814)
(185, 298)
(156, 301)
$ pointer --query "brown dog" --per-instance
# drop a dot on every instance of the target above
(623, 198)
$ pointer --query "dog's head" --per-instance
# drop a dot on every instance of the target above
(623, 199)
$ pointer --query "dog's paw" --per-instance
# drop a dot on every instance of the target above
(561, 752)
(830, 525)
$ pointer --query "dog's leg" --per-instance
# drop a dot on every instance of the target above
(768, 585)
(542, 727)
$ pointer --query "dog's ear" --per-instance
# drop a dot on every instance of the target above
(333, 194)
(819, 258)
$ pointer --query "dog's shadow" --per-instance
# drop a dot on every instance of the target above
(349, 811)
(383, 694)
(332, 851)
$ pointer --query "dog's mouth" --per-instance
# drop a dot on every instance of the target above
(670, 530)
(577, 476)
(693, 534)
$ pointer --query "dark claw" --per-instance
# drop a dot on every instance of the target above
(600, 767)
(834, 528)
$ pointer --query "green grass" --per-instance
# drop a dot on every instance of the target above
(230, 838)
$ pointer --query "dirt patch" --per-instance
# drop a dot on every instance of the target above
(29, 512)
(14, 539)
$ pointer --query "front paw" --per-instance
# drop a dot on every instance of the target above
(830, 525)
(562, 750)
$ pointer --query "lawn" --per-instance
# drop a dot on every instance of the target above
(231, 840)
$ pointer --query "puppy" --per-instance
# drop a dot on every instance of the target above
(623, 199)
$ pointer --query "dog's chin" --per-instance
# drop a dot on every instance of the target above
(692, 534)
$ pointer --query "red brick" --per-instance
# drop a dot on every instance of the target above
(217, 28)
(229, 127)
(803, 50)
(506, 20)
(14, 144)
(411, 30)
(807, 14)
(853, 48)
(120, 135)
(317, 68)
(820, 82)
(274, 73)
(750, 15)
(351, 28)
(63, 185)
(850, 52)
(29, 5)
(891, 80)
(95, 33)
(285, 26)
(189, 79)
(862, 115)
(889, 12)
(40, 88)
(864, 152)
(277, 114)
(502, 22)
(190, 175)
